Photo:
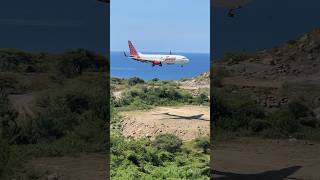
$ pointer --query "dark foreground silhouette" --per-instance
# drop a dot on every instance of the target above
(282, 174)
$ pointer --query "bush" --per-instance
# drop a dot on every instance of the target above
(298, 109)
(234, 112)
(218, 73)
(8, 83)
(9, 129)
(135, 80)
(285, 122)
(203, 143)
(168, 142)
(73, 63)
(310, 121)
(258, 125)
(292, 41)
(238, 56)
(141, 97)
(201, 99)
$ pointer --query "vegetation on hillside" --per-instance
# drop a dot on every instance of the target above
(70, 107)
(165, 157)
(237, 112)
(144, 95)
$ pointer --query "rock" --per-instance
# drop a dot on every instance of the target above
(53, 176)
(310, 57)
(269, 61)
(292, 140)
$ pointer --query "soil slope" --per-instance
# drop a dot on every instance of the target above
(187, 122)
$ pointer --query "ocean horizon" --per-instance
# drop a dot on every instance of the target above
(123, 67)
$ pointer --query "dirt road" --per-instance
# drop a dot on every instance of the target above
(83, 167)
(252, 159)
(187, 122)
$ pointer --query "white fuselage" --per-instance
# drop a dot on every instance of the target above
(156, 59)
(164, 59)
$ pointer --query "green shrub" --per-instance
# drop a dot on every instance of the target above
(201, 99)
(309, 121)
(203, 143)
(298, 109)
(135, 80)
(155, 79)
(292, 41)
(168, 142)
(74, 63)
(234, 111)
(238, 56)
(285, 122)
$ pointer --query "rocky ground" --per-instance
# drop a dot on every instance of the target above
(187, 122)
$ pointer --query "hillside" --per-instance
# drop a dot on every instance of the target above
(267, 112)
(161, 129)
(47, 110)
(276, 75)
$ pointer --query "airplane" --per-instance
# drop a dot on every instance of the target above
(156, 59)
(233, 5)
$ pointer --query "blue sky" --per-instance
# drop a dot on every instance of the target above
(160, 25)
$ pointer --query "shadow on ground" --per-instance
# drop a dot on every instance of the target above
(282, 174)
(173, 116)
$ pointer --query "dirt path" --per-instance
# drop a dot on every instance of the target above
(187, 122)
(117, 94)
(252, 159)
(22, 103)
(83, 167)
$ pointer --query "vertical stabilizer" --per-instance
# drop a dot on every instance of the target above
(133, 51)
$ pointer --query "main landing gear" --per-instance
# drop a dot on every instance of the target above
(155, 64)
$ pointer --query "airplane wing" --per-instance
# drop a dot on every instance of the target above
(142, 60)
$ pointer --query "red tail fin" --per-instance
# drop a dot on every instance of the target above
(133, 51)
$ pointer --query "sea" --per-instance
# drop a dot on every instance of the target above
(124, 67)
